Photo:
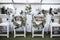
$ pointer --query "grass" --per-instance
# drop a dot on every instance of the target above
(29, 37)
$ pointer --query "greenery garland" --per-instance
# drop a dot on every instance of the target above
(40, 25)
(36, 25)
(18, 25)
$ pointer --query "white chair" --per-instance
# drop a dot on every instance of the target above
(55, 25)
(37, 24)
(20, 21)
(5, 24)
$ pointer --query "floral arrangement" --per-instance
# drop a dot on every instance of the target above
(17, 24)
(39, 25)
(28, 8)
(58, 10)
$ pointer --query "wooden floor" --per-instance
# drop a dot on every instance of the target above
(29, 37)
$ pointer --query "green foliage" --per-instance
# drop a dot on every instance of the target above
(19, 25)
(40, 25)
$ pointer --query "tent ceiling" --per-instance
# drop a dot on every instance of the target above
(30, 1)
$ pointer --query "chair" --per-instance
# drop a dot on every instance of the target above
(19, 21)
(38, 24)
(55, 27)
(5, 24)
